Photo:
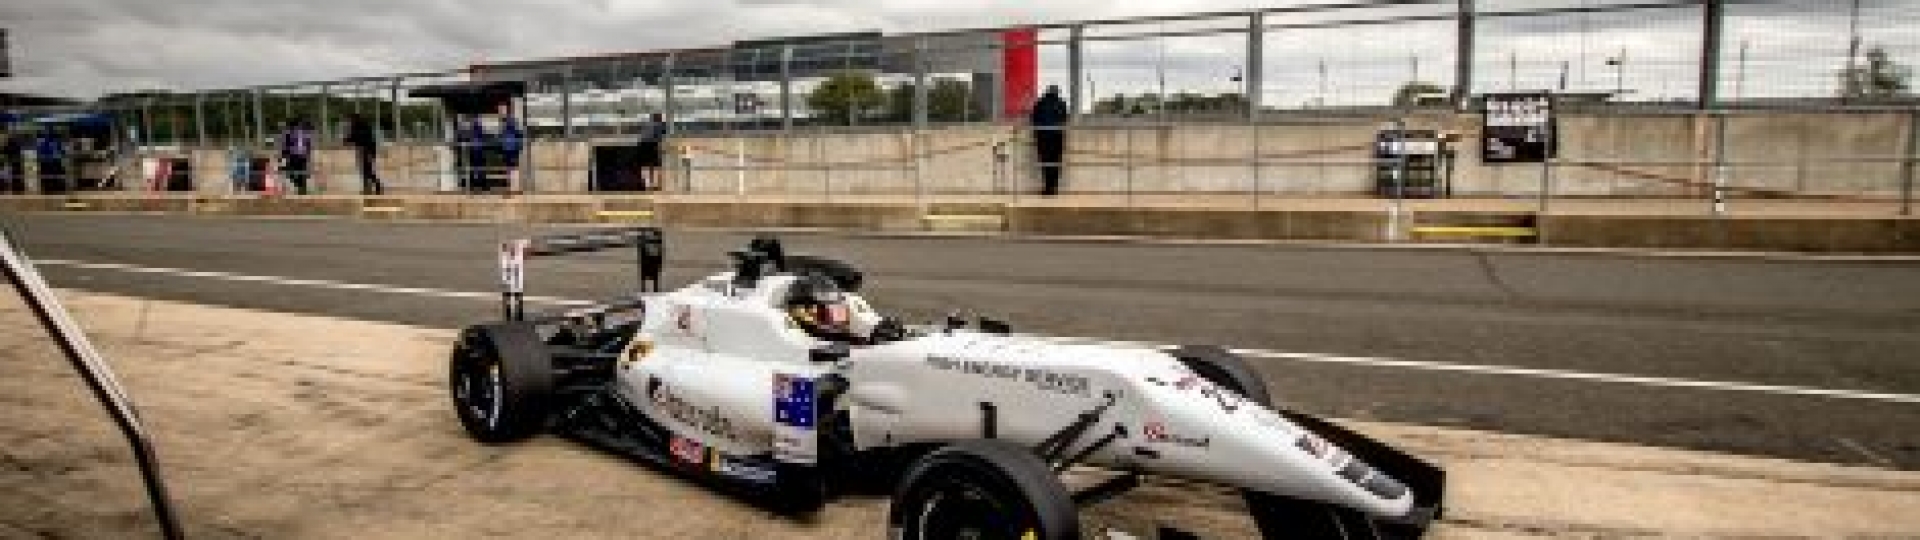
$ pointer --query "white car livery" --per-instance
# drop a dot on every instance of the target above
(968, 426)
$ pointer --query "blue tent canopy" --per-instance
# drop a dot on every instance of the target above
(73, 119)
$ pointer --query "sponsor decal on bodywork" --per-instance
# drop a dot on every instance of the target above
(793, 400)
(1226, 399)
(687, 451)
(706, 419)
(795, 413)
(741, 469)
(1045, 379)
(1157, 432)
(683, 318)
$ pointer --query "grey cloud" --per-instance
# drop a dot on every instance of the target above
(88, 47)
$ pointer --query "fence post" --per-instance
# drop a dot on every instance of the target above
(1546, 171)
(1714, 12)
(146, 125)
(1463, 58)
(667, 101)
(528, 164)
(919, 136)
(326, 125)
(1075, 67)
(199, 120)
(566, 101)
(393, 100)
(1129, 165)
(1721, 166)
(1256, 60)
(786, 88)
(1255, 77)
(1907, 168)
(259, 118)
(1398, 208)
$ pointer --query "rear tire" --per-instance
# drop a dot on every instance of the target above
(982, 489)
(501, 380)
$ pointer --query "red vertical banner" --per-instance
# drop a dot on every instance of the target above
(1020, 71)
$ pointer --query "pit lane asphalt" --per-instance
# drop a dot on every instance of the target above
(1851, 325)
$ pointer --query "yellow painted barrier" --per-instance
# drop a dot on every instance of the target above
(1509, 232)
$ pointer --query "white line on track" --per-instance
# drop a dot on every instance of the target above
(1513, 371)
(296, 282)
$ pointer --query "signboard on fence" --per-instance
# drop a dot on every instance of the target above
(1518, 128)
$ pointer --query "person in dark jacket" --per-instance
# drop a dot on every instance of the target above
(51, 152)
(13, 164)
(296, 154)
(511, 143)
(651, 136)
(1049, 121)
(474, 141)
(360, 136)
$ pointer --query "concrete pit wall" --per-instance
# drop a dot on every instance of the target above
(1304, 157)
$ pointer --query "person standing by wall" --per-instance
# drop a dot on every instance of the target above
(296, 154)
(51, 152)
(513, 140)
(365, 145)
(1049, 120)
(473, 146)
(13, 163)
(240, 169)
(652, 136)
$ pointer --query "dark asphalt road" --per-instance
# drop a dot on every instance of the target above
(1822, 324)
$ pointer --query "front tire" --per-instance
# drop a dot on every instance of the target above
(501, 380)
(982, 489)
(1225, 369)
(1274, 515)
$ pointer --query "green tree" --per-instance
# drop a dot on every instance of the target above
(950, 100)
(1416, 93)
(847, 96)
(1879, 77)
(1188, 102)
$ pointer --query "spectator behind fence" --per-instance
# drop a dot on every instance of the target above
(652, 136)
(1049, 121)
(51, 152)
(13, 163)
(365, 144)
(296, 154)
(472, 140)
(512, 140)
(240, 168)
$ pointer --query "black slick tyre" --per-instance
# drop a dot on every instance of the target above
(984, 489)
(1225, 369)
(501, 380)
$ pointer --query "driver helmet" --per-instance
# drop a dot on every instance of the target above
(818, 305)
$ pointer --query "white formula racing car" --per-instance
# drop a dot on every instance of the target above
(780, 382)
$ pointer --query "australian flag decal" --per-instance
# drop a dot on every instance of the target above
(793, 401)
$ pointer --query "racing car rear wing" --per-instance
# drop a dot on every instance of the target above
(649, 254)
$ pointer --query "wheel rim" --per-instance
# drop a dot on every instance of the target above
(965, 510)
(477, 385)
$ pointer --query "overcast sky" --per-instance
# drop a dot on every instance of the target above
(86, 47)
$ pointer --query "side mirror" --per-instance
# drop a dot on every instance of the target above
(830, 352)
